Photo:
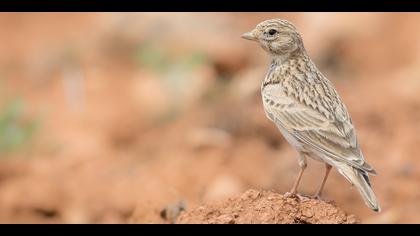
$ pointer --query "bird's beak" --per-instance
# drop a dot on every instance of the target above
(249, 36)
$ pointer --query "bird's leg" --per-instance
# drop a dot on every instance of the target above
(296, 184)
(327, 172)
(302, 164)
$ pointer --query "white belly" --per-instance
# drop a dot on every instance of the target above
(294, 142)
(299, 146)
(290, 138)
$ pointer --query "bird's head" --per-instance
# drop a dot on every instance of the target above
(276, 36)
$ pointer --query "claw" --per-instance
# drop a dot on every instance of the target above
(289, 194)
(317, 197)
(301, 198)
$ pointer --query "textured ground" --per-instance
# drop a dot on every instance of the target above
(265, 207)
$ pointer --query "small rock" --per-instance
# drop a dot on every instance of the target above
(225, 219)
(307, 213)
(351, 219)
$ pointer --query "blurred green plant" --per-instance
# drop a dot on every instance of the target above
(152, 58)
(196, 59)
(157, 59)
(15, 131)
(174, 71)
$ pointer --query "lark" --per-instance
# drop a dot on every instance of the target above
(307, 109)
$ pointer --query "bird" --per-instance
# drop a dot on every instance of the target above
(307, 110)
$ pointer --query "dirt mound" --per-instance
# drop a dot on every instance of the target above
(261, 207)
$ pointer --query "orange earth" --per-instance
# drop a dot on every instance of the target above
(139, 112)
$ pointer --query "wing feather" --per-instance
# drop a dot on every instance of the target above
(333, 136)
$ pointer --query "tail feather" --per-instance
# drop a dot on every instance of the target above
(360, 180)
(366, 177)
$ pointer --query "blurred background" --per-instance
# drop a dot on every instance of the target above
(114, 117)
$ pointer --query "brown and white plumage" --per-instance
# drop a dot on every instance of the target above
(307, 109)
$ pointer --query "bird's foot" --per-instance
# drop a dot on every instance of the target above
(301, 197)
(289, 194)
(318, 197)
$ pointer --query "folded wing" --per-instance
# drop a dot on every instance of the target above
(321, 127)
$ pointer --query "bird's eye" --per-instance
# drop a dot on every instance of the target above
(272, 32)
